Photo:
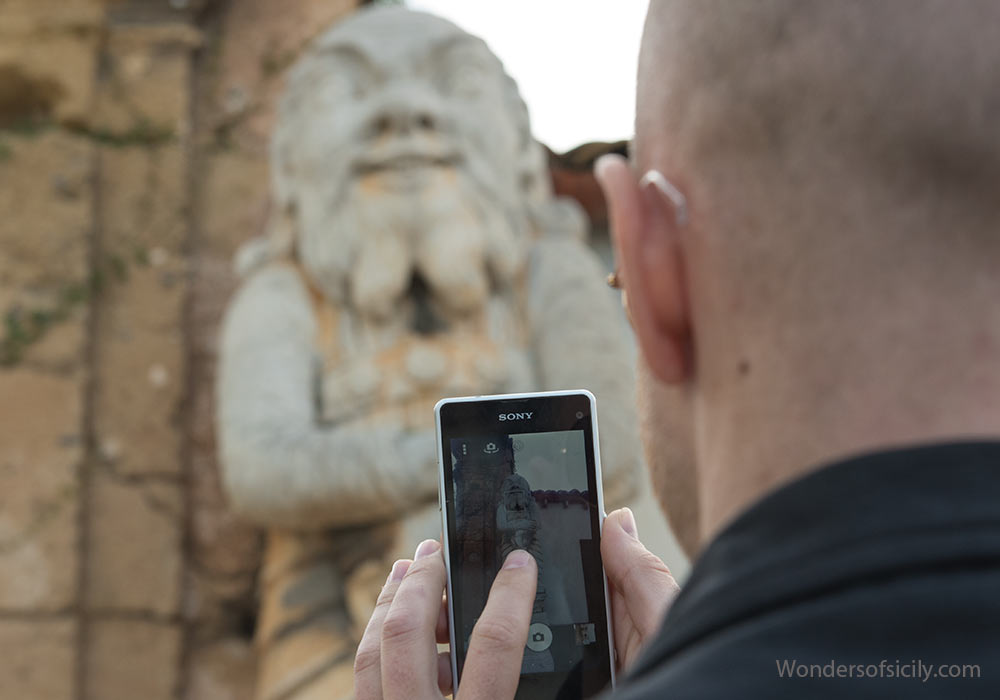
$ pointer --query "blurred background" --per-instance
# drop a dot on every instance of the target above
(133, 162)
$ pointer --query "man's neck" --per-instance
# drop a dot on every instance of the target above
(800, 408)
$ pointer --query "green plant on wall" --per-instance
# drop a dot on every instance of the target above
(23, 327)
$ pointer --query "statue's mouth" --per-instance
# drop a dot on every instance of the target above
(405, 162)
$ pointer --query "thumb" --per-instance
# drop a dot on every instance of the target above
(643, 580)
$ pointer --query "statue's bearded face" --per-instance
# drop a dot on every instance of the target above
(397, 160)
(516, 495)
(516, 500)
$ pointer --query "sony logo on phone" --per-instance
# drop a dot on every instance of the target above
(515, 416)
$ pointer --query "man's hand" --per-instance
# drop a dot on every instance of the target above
(640, 584)
(398, 659)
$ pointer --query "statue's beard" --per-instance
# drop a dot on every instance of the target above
(366, 248)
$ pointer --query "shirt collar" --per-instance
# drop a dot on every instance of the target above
(866, 516)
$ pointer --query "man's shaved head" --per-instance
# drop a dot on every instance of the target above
(910, 86)
(841, 163)
(799, 126)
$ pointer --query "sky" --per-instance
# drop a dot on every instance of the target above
(574, 60)
(553, 461)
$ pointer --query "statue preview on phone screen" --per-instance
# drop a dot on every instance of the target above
(522, 471)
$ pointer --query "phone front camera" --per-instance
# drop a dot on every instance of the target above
(579, 415)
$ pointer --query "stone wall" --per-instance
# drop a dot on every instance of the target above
(133, 160)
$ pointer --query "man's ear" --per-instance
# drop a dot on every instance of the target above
(645, 227)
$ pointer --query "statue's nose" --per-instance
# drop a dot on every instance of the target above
(402, 119)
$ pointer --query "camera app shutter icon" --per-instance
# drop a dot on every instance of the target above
(539, 637)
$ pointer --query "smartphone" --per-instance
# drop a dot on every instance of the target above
(523, 471)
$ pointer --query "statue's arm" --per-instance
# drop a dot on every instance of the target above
(580, 342)
(281, 467)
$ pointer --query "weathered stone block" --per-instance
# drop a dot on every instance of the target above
(148, 82)
(40, 449)
(144, 203)
(135, 548)
(46, 205)
(225, 549)
(140, 337)
(260, 40)
(48, 59)
(224, 670)
(38, 659)
(225, 546)
(132, 659)
(60, 348)
(140, 372)
(234, 177)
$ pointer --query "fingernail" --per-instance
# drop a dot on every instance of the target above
(398, 570)
(426, 548)
(517, 559)
(603, 163)
(628, 523)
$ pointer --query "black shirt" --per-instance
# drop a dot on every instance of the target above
(876, 577)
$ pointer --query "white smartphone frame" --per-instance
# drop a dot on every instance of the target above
(444, 511)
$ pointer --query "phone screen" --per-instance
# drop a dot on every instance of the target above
(515, 487)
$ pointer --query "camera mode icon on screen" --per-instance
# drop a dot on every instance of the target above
(539, 637)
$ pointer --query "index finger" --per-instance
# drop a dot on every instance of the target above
(367, 659)
(409, 656)
(496, 648)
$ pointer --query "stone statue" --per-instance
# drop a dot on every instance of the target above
(517, 525)
(415, 252)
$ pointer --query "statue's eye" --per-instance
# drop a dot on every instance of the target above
(465, 81)
(342, 75)
(466, 71)
(331, 92)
